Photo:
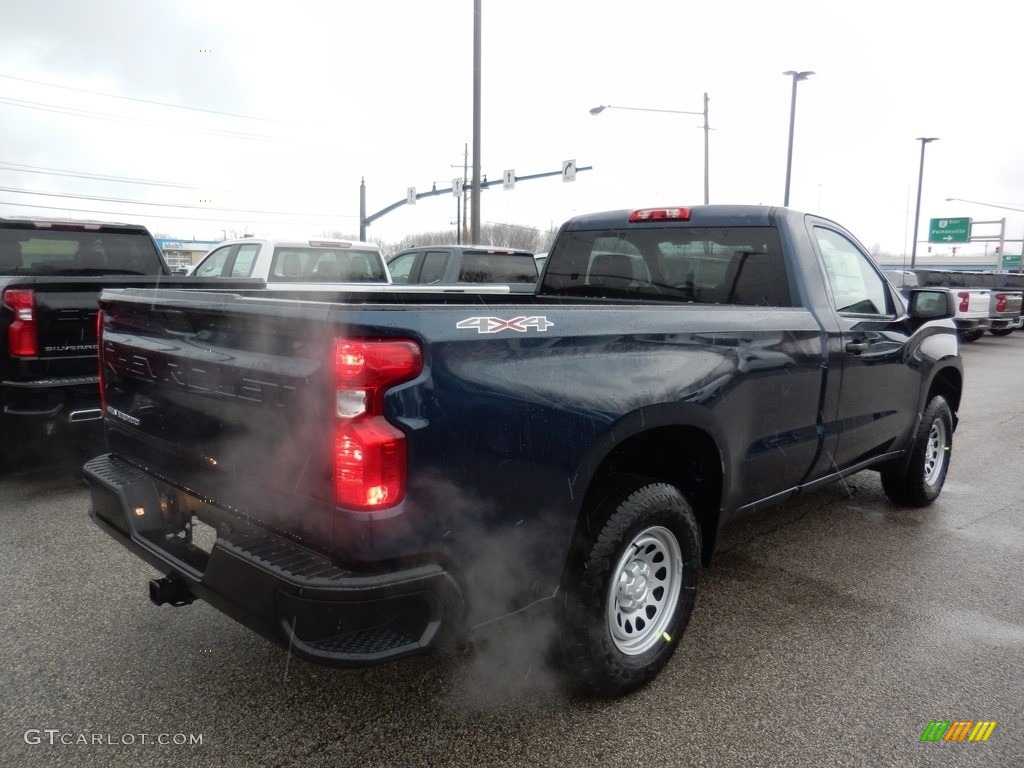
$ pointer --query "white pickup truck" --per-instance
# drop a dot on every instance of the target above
(1007, 301)
(330, 265)
(973, 308)
(297, 264)
(974, 305)
(1004, 304)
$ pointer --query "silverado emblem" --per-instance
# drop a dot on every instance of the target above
(497, 324)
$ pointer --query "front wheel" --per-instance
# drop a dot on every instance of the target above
(920, 482)
(632, 586)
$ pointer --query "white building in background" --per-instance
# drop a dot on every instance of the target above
(183, 254)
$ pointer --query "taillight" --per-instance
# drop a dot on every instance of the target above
(369, 452)
(22, 333)
(965, 301)
(1000, 302)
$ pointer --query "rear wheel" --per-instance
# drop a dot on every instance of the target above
(631, 590)
(1001, 331)
(920, 483)
(971, 335)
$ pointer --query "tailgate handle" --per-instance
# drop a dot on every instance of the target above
(856, 347)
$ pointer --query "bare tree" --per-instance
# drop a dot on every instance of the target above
(337, 234)
(495, 235)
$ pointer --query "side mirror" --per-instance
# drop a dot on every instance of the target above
(931, 304)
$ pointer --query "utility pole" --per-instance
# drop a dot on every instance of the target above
(707, 176)
(463, 228)
(475, 221)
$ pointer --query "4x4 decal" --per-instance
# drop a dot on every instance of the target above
(498, 324)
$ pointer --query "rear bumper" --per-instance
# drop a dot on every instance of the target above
(972, 324)
(289, 594)
(66, 400)
(1002, 323)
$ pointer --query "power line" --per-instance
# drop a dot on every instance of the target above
(125, 201)
(134, 120)
(147, 101)
(161, 215)
(22, 168)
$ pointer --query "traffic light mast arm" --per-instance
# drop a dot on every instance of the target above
(367, 220)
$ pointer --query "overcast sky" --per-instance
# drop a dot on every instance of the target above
(277, 110)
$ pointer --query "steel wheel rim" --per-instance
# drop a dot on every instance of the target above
(935, 452)
(644, 591)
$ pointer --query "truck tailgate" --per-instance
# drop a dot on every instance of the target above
(233, 406)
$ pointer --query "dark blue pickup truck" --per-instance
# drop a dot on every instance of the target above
(365, 477)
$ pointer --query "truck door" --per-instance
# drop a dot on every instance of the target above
(876, 400)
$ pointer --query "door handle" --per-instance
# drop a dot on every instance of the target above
(856, 347)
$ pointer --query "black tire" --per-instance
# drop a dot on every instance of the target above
(971, 335)
(1000, 331)
(920, 482)
(631, 587)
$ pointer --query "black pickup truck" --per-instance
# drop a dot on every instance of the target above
(51, 275)
(364, 477)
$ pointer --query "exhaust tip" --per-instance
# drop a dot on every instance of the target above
(88, 414)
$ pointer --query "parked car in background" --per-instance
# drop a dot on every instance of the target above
(1007, 303)
(296, 264)
(51, 274)
(1003, 305)
(465, 265)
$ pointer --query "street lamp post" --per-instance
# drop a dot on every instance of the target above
(797, 77)
(707, 194)
(917, 209)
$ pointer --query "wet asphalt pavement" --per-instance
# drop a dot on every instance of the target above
(828, 632)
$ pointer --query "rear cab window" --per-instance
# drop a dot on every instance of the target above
(710, 265)
(77, 250)
(485, 267)
(334, 265)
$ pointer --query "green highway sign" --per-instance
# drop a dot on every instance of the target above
(949, 231)
(1011, 261)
